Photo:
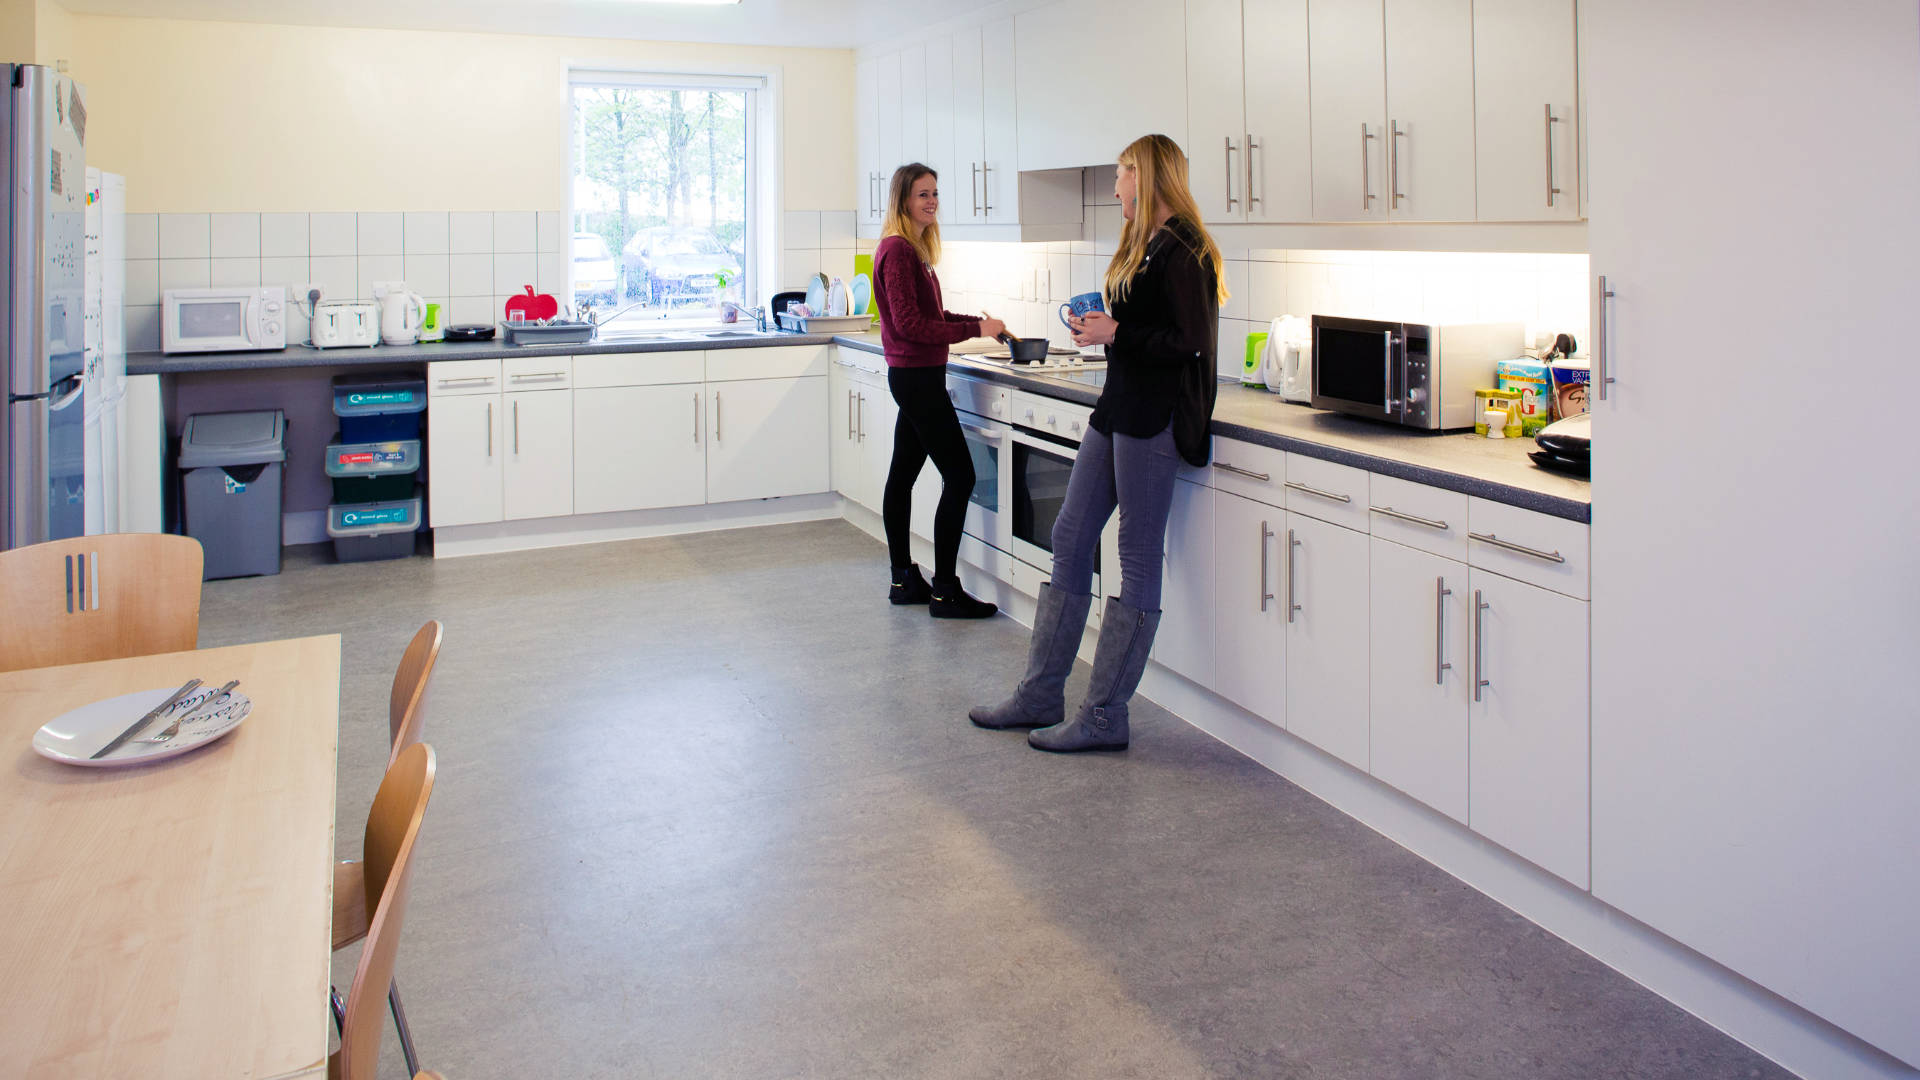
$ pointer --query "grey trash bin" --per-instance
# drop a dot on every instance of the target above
(231, 491)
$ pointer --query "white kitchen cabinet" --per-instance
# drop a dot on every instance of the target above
(1187, 596)
(866, 122)
(873, 422)
(463, 486)
(844, 457)
(940, 152)
(1000, 152)
(1077, 105)
(969, 124)
(1430, 110)
(1216, 109)
(1249, 606)
(887, 112)
(1525, 115)
(1527, 729)
(1417, 658)
(1325, 584)
(638, 448)
(765, 439)
(537, 466)
(1348, 92)
(913, 104)
(1248, 118)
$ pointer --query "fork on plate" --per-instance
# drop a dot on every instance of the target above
(167, 733)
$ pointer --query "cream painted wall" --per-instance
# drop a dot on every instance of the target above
(52, 32)
(208, 116)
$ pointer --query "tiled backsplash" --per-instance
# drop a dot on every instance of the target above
(816, 242)
(469, 262)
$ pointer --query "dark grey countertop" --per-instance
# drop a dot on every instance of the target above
(299, 356)
(1496, 469)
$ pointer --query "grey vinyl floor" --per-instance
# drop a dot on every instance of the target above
(708, 807)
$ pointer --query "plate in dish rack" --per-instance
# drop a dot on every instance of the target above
(74, 735)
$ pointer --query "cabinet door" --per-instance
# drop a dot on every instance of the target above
(913, 104)
(844, 457)
(969, 124)
(887, 91)
(538, 470)
(1527, 731)
(1185, 642)
(1430, 138)
(873, 428)
(1348, 90)
(767, 438)
(1000, 150)
(1279, 146)
(1327, 637)
(1249, 608)
(1525, 151)
(638, 448)
(940, 153)
(1216, 118)
(463, 471)
(866, 121)
(1417, 661)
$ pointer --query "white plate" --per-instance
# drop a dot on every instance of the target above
(74, 735)
(817, 294)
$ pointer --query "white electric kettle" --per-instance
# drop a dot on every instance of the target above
(401, 313)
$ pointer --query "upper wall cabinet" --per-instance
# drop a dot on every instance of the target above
(1524, 77)
(867, 119)
(1247, 113)
(1093, 78)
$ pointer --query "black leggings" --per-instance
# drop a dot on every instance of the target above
(928, 427)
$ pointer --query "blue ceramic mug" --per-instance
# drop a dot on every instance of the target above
(1079, 306)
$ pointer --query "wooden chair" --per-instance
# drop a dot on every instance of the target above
(352, 895)
(99, 598)
(393, 825)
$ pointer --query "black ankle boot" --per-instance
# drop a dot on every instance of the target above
(909, 587)
(950, 601)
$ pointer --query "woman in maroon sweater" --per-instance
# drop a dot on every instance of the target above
(916, 331)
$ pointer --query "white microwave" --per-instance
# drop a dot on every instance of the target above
(235, 319)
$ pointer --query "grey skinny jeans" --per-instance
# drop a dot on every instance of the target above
(1135, 475)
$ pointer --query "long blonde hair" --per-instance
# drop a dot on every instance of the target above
(925, 242)
(1160, 170)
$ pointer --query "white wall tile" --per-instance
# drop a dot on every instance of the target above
(236, 272)
(336, 276)
(143, 236)
(1306, 289)
(836, 229)
(424, 233)
(1238, 306)
(299, 327)
(796, 267)
(371, 269)
(1106, 229)
(236, 236)
(185, 274)
(1058, 281)
(513, 232)
(283, 235)
(472, 309)
(1398, 291)
(470, 232)
(801, 229)
(1350, 291)
(1232, 354)
(512, 272)
(186, 236)
(470, 274)
(1096, 186)
(143, 328)
(143, 282)
(427, 275)
(288, 270)
(552, 270)
(551, 232)
(1274, 255)
(1088, 273)
(332, 234)
(1266, 291)
(837, 263)
(378, 234)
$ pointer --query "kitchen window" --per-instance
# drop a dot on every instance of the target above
(664, 195)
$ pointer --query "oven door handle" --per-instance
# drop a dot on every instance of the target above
(985, 435)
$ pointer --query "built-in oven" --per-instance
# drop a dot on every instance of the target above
(1045, 440)
(982, 408)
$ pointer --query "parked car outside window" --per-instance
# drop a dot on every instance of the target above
(667, 265)
(596, 277)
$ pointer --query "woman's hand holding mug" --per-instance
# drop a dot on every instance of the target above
(1093, 328)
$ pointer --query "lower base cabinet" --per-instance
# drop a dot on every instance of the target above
(1249, 606)
(1326, 581)
(464, 483)
(639, 448)
(1527, 728)
(537, 479)
(1418, 674)
(765, 439)
(1185, 642)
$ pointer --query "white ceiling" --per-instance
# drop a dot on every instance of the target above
(812, 23)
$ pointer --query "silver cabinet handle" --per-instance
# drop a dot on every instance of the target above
(986, 186)
(1291, 544)
(1413, 519)
(516, 428)
(1479, 644)
(1304, 489)
(1265, 535)
(1237, 470)
(1545, 556)
(1366, 167)
(696, 418)
(1440, 665)
(1551, 120)
(974, 188)
(489, 429)
(849, 414)
(716, 416)
(1231, 201)
(1600, 357)
(547, 376)
(1393, 164)
(860, 427)
(1252, 197)
(462, 382)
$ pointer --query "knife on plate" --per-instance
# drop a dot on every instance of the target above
(185, 689)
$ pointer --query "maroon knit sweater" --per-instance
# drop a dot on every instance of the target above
(915, 331)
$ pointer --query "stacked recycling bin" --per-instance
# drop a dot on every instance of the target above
(374, 463)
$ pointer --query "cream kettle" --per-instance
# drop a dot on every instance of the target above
(401, 314)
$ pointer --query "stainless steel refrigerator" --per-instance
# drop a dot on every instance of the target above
(43, 306)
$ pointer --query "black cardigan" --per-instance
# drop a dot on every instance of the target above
(1160, 367)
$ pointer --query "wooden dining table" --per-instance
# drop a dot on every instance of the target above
(172, 919)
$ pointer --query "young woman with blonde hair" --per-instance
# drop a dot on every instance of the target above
(1164, 287)
(916, 333)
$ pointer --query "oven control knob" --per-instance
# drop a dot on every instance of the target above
(996, 408)
(1052, 420)
(1029, 415)
(1076, 427)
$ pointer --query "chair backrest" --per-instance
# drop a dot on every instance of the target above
(99, 598)
(404, 711)
(393, 826)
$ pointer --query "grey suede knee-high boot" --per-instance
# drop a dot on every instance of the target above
(1126, 637)
(1041, 697)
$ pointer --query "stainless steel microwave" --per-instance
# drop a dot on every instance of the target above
(1411, 374)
